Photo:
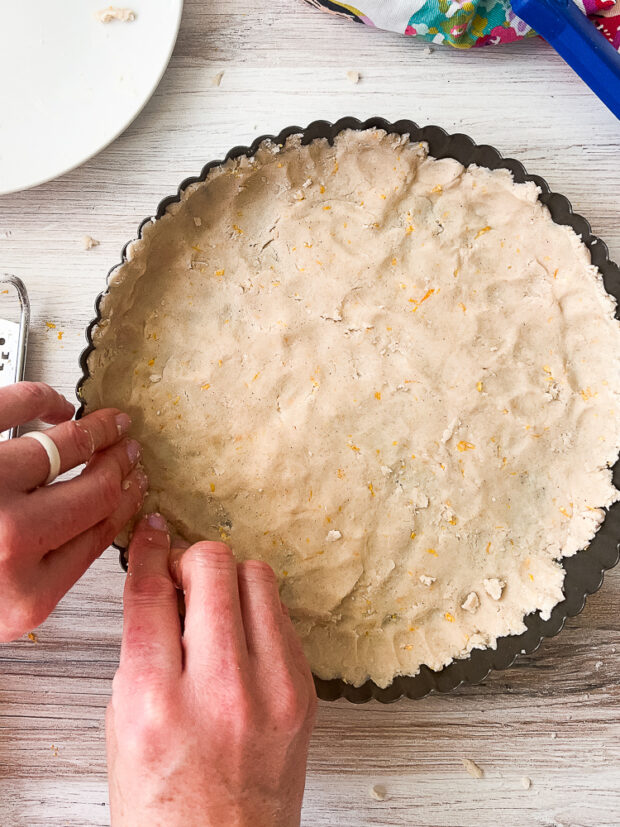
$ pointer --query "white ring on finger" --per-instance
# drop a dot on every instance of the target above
(52, 453)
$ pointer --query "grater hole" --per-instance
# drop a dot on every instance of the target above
(2, 341)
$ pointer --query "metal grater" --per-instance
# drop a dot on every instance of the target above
(14, 322)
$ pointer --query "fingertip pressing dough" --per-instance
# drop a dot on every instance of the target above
(392, 378)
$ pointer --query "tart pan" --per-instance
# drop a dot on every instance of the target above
(584, 570)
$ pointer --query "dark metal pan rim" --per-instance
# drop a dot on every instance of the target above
(585, 570)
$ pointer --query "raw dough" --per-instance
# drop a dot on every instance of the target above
(88, 242)
(112, 13)
(472, 768)
(362, 339)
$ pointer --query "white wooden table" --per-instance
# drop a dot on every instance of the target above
(554, 717)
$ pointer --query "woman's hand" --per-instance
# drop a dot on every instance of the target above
(208, 726)
(50, 534)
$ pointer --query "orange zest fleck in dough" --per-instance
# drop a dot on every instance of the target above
(412, 535)
(488, 548)
(464, 446)
(50, 325)
(449, 617)
(377, 394)
(371, 489)
(327, 207)
(426, 296)
(237, 229)
(205, 387)
(431, 551)
(479, 387)
(212, 486)
(482, 231)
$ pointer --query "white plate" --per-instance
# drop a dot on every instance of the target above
(70, 84)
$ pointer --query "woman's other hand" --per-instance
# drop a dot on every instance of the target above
(50, 534)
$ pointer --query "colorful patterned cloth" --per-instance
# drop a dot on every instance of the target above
(463, 23)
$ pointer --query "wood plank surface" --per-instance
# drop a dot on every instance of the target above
(555, 716)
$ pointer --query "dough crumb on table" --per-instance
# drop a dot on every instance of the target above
(354, 77)
(526, 782)
(114, 13)
(300, 363)
(472, 768)
(216, 81)
(378, 792)
(88, 242)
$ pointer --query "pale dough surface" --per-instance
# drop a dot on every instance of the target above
(394, 379)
